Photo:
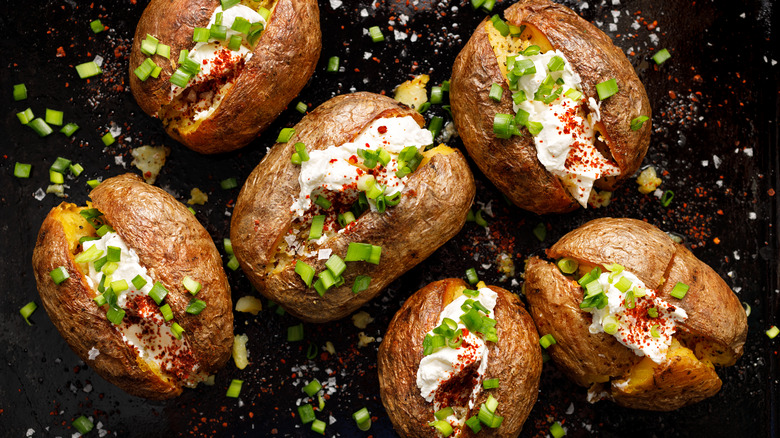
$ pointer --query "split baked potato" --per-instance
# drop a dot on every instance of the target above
(532, 100)
(712, 333)
(228, 91)
(275, 230)
(101, 292)
(509, 376)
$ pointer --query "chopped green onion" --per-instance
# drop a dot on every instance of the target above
(158, 292)
(295, 333)
(90, 255)
(772, 332)
(218, 32)
(163, 50)
(575, 95)
(667, 197)
(361, 283)
(630, 300)
(177, 330)
(471, 276)
(100, 300)
(637, 122)
(547, 340)
(376, 34)
(661, 56)
(28, 310)
(474, 424)
(229, 183)
(437, 95)
(499, 24)
(362, 419)
(285, 135)
(540, 231)
(610, 324)
(436, 125)
(255, 31)
(556, 64)
(166, 311)
(319, 286)
(234, 390)
(99, 263)
(311, 351)
(53, 117)
(607, 88)
(108, 139)
(300, 149)
(376, 253)
(234, 43)
(82, 424)
(556, 430)
(323, 202)
(301, 107)
(496, 92)
(489, 418)
(114, 254)
(145, 69)
(476, 3)
(20, 92)
(156, 72)
(265, 13)
(654, 331)
(115, 314)
(295, 158)
(104, 229)
(22, 170)
(88, 69)
(305, 271)
(491, 403)
(593, 288)
(76, 169)
(119, 285)
(534, 128)
(312, 387)
(679, 290)
(59, 275)
(241, 25)
(333, 64)
(25, 116)
(233, 263)
(196, 306)
(336, 265)
(441, 426)
(227, 4)
(358, 252)
(60, 165)
(490, 383)
(40, 127)
(149, 45)
(318, 426)
(306, 413)
(180, 78)
(652, 312)
(443, 413)
(568, 265)
(531, 51)
(327, 280)
(502, 125)
(317, 222)
(593, 275)
(487, 5)
(93, 183)
(191, 285)
(228, 245)
(623, 284)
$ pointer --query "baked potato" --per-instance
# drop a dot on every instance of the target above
(281, 237)
(105, 294)
(532, 98)
(609, 338)
(238, 75)
(419, 381)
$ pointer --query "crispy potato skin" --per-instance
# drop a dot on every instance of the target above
(516, 359)
(715, 315)
(172, 244)
(511, 163)
(283, 61)
(433, 208)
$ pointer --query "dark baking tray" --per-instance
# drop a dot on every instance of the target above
(715, 137)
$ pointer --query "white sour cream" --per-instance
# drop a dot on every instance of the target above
(438, 367)
(565, 145)
(634, 326)
(129, 267)
(335, 168)
(213, 56)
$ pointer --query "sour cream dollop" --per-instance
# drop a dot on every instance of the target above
(566, 143)
(336, 168)
(438, 367)
(634, 326)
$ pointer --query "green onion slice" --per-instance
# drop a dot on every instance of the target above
(317, 223)
(312, 387)
(376, 34)
(82, 424)
(53, 117)
(607, 88)
(306, 413)
(636, 123)
(547, 340)
(361, 283)
(568, 265)
(196, 306)
(305, 271)
(285, 135)
(667, 197)
(22, 170)
(441, 426)
(295, 333)
(318, 426)
(556, 430)
(490, 383)
(234, 390)
(679, 290)
(115, 314)
(20, 92)
(158, 292)
(88, 70)
(166, 311)
(59, 275)
(661, 56)
(362, 419)
(496, 92)
(333, 64)
(28, 310)
(40, 127)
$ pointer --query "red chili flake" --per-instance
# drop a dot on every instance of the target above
(382, 130)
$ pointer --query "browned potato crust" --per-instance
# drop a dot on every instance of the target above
(713, 333)
(171, 244)
(432, 210)
(516, 359)
(283, 61)
(511, 163)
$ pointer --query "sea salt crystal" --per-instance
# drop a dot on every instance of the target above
(748, 152)
(335, 4)
(324, 254)
(400, 35)
(98, 60)
(752, 215)
(363, 13)
(93, 353)
(716, 161)
(612, 27)
(39, 194)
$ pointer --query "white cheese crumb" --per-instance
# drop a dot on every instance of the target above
(120, 161)
(93, 353)
(324, 254)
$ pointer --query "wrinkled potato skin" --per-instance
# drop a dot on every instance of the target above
(444, 190)
(715, 314)
(283, 61)
(511, 164)
(516, 359)
(171, 244)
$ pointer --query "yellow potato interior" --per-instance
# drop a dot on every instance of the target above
(74, 225)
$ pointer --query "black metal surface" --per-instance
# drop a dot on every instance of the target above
(715, 112)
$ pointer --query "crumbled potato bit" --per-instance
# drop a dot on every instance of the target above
(364, 339)
(481, 284)
(648, 180)
(504, 46)
(413, 92)
(330, 348)
(505, 264)
(249, 304)
(362, 319)
(240, 353)
(197, 197)
(57, 189)
(599, 199)
(149, 160)
(210, 380)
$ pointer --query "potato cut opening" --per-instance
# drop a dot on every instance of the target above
(74, 225)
